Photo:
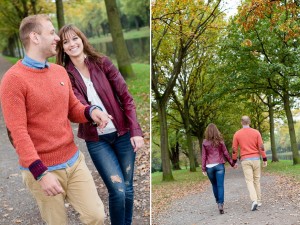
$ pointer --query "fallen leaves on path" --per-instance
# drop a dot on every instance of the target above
(163, 195)
(287, 188)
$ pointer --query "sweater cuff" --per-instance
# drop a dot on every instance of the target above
(87, 113)
(234, 161)
(37, 168)
(265, 159)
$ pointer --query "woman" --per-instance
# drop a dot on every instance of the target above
(213, 153)
(96, 81)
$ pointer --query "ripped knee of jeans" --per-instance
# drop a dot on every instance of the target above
(116, 179)
(128, 169)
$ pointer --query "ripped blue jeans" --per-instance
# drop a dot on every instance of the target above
(113, 156)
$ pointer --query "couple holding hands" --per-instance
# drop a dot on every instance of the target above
(214, 154)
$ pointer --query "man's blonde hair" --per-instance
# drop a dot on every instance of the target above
(246, 120)
(31, 24)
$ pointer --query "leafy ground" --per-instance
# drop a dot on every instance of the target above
(189, 200)
(18, 207)
(163, 193)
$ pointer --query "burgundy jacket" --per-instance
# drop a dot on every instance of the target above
(212, 154)
(113, 92)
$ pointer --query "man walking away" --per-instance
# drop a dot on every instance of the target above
(251, 148)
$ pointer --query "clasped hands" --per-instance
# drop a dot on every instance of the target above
(100, 118)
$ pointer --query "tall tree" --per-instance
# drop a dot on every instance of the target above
(175, 27)
(274, 25)
(60, 13)
(120, 47)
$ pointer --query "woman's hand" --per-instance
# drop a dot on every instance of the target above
(137, 142)
(101, 118)
(204, 173)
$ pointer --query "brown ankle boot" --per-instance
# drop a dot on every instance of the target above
(220, 207)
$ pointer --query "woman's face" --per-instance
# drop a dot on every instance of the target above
(72, 45)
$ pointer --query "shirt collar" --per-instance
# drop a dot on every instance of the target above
(27, 61)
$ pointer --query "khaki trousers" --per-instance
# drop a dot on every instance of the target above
(251, 169)
(79, 190)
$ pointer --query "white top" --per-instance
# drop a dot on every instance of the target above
(94, 99)
(212, 165)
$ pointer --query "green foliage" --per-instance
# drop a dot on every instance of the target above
(87, 15)
(136, 8)
(12, 13)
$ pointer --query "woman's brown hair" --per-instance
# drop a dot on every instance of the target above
(213, 134)
(62, 58)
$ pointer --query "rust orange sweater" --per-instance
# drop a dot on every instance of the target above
(37, 106)
(250, 142)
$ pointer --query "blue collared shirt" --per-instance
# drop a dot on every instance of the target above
(27, 61)
(64, 165)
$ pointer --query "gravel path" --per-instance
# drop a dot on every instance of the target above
(279, 206)
(17, 205)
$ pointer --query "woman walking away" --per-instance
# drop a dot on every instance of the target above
(214, 153)
(95, 80)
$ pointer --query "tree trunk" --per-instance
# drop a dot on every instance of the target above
(60, 13)
(200, 140)
(188, 131)
(175, 156)
(136, 22)
(18, 46)
(33, 5)
(119, 44)
(164, 143)
(10, 46)
(272, 129)
(195, 154)
(289, 116)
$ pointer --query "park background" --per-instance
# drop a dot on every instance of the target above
(210, 65)
(125, 27)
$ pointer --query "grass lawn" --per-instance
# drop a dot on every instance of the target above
(139, 87)
(182, 176)
(13, 60)
(143, 32)
(284, 167)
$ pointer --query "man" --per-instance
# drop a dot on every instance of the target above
(251, 147)
(38, 102)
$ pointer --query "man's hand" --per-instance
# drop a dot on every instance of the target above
(50, 185)
(204, 173)
(235, 166)
(265, 163)
(100, 118)
(137, 142)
